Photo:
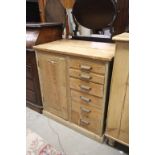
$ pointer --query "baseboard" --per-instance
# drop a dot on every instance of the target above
(74, 127)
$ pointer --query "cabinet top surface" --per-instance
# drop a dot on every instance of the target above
(89, 49)
(122, 37)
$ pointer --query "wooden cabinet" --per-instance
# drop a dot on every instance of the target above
(88, 93)
(118, 111)
(87, 117)
(52, 70)
(74, 83)
(33, 95)
(36, 34)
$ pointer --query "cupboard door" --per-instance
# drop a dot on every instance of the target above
(52, 70)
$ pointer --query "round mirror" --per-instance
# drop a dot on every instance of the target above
(94, 14)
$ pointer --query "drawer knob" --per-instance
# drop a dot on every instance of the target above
(52, 61)
(85, 77)
(83, 122)
(87, 100)
(85, 110)
(83, 87)
(85, 67)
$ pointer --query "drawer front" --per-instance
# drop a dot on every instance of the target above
(85, 99)
(87, 65)
(87, 117)
(87, 87)
(92, 77)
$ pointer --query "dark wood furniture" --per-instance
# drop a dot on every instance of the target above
(121, 23)
(40, 28)
(37, 34)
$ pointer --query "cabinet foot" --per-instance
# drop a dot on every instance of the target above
(111, 142)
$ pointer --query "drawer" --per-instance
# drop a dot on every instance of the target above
(96, 78)
(87, 65)
(87, 117)
(85, 99)
(86, 87)
(30, 96)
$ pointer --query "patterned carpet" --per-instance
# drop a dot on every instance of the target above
(35, 145)
(65, 139)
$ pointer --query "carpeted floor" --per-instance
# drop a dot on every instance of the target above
(36, 145)
(65, 139)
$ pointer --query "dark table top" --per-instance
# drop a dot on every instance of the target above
(41, 25)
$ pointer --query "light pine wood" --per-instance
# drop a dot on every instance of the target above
(117, 119)
(75, 127)
(86, 44)
(68, 90)
(115, 139)
(87, 117)
(93, 88)
(124, 37)
(70, 82)
(52, 72)
(124, 127)
(85, 99)
(92, 77)
(95, 67)
(76, 117)
(93, 50)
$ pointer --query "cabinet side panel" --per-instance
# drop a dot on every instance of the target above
(118, 89)
(124, 129)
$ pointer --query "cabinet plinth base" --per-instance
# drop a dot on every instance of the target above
(115, 139)
(74, 127)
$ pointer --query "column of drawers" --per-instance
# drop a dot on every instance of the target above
(87, 78)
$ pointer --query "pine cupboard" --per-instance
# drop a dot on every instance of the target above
(117, 127)
(74, 80)
(52, 71)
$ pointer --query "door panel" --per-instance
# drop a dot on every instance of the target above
(52, 71)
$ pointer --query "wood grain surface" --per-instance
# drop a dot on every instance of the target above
(88, 49)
